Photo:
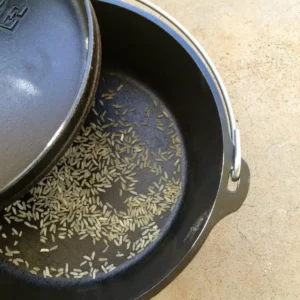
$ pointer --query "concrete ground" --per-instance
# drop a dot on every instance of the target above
(254, 253)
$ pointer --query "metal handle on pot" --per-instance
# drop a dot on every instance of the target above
(235, 134)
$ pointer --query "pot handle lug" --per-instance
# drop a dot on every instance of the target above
(230, 201)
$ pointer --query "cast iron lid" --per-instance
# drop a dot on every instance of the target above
(49, 68)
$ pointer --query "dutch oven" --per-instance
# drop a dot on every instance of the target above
(153, 62)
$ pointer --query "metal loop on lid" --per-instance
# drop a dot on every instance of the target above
(235, 135)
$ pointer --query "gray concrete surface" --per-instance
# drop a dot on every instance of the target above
(255, 253)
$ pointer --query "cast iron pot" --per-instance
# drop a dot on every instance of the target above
(169, 64)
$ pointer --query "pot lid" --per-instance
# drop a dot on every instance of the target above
(49, 68)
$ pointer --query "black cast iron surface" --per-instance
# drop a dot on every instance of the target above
(49, 62)
(134, 94)
(141, 49)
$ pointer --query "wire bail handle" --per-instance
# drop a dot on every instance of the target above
(235, 133)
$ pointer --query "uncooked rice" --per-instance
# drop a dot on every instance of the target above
(68, 203)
